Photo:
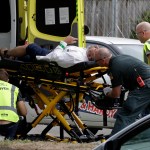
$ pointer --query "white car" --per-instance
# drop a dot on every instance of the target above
(88, 113)
(133, 137)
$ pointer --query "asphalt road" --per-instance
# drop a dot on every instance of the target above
(55, 131)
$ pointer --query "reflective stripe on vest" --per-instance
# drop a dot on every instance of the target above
(146, 49)
(12, 101)
(8, 99)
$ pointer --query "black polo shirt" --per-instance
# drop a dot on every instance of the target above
(122, 71)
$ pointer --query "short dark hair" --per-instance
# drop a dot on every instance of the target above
(4, 75)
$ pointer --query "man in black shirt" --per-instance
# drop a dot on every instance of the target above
(133, 75)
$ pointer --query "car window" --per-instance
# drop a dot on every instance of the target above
(141, 141)
(132, 50)
(90, 44)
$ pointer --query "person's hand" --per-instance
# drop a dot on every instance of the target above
(3, 51)
(70, 40)
(106, 90)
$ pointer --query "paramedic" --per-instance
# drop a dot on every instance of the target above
(133, 75)
(143, 34)
(11, 107)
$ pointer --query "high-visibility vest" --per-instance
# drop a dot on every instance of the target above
(146, 48)
(8, 99)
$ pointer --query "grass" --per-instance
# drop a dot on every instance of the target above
(45, 145)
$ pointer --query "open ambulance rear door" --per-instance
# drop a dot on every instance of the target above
(50, 21)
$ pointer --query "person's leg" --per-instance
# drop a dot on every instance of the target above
(136, 103)
(18, 51)
(34, 50)
(145, 112)
(22, 128)
(122, 120)
(11, 131)
(2, 130)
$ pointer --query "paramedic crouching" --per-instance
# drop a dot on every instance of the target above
(11, 106)
(133, 75)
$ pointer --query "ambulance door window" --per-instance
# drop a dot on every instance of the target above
(56, 17)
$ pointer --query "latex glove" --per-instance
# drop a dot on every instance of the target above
(106, 90)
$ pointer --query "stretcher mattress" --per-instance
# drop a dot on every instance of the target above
(42, 69)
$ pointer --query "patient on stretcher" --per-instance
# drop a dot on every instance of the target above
(65, 56)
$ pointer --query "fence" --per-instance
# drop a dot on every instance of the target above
(114, 17)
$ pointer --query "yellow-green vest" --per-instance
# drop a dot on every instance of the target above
(146, 48)
(8, 99)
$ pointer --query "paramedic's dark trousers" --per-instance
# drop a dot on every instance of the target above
(9, 130)
(137, 102)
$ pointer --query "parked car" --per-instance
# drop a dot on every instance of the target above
(133, 137)
(88, 113)
(117, 45)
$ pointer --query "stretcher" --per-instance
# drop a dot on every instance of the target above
(66, 88)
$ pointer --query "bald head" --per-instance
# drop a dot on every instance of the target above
(102, 56)
(143, 26)
(104, 53)
(143, 31)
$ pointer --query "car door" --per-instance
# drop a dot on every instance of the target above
(135, 136)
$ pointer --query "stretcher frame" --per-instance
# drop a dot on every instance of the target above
(69, 81)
